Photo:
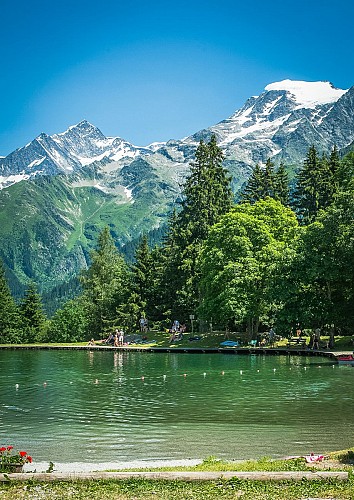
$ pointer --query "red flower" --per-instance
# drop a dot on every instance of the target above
(9, 448)
(29, 459)
(23, 453)
(2, 449)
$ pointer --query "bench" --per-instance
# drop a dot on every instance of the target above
(296, 342)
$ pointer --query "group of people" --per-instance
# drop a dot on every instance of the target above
(143, 323)
(315, 338)
(176, 331)
(116, 338)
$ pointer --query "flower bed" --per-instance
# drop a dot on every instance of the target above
(10, 462)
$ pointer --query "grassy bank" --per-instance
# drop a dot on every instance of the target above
(225, 489)
(168, 490)
(206, 340)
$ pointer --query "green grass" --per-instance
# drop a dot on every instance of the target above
(208, 340)
(181, 490)
(214, 339)
(178, 489)
(213, 464)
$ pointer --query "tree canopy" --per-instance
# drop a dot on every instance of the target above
(240, 261)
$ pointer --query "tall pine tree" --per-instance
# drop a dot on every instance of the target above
(316, 185)
(146, 277)
(32, 316)
(254, 188)
(281, 185)
(267, 182)
(106, 285)
(206, 196)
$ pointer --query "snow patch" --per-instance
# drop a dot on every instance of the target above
(86, 161)
(122, 153)
(101, 188)
(308, 94)
(12, 179)
(154, 146)
(36, 162)
(260, 125)
(129, 194)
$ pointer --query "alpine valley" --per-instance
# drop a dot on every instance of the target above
(58, 192)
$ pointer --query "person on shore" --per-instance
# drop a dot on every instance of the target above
(317, 338)
(271, 337)
(91, 342)
(121, 338)
(116, 339)
(175, 326)
(109, 339)
(312, 340)
(143, 322)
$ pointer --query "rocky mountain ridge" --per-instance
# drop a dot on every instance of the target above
(281, 123)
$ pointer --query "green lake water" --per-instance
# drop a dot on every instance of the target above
(81, 406)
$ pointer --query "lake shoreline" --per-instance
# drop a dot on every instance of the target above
(297, 351)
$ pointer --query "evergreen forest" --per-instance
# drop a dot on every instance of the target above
(281, 256)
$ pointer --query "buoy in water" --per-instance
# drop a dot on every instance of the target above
(222, 373)
(143, 378)
(17, 386)
(240, 372)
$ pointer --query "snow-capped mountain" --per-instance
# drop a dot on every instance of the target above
(284, 121)
(66, 153)
(281, 123)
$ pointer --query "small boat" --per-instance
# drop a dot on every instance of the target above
(345, 359)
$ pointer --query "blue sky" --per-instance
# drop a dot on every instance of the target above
(150, 70)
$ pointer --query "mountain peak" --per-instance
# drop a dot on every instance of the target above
(83, 125)
(308, 94)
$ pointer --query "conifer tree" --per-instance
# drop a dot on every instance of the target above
(142, 273)
(32, 316)
(269, 180)
(334, 169)
(316, 185)
(281, 185)
(9, 321)
(345, 173)
(254, 189)
(146, 278)
(306, 194)
(206, 196)
(106, 284)
(169, 269)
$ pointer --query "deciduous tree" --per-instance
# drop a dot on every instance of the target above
(240, 262)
